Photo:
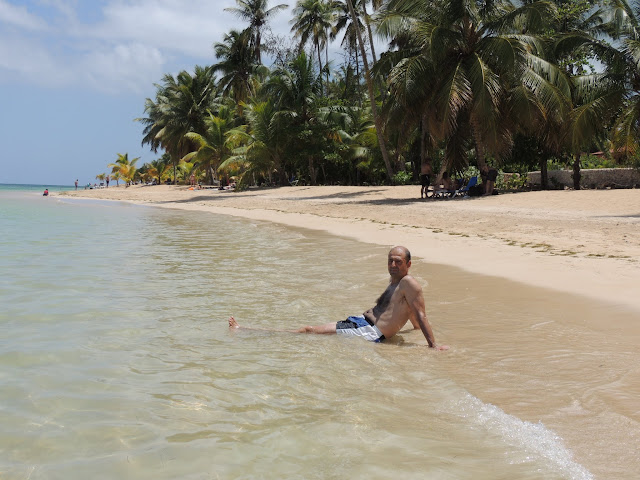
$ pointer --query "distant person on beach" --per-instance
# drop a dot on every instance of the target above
(447, 184)
(489, 177)
(107, 180)
(401, 301)
(46, 192)
(192, 180)
(425, 179)
(492, 176)
(76, 183)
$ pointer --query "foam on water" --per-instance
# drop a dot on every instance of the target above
(533, 440)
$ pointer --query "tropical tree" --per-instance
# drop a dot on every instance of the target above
(623, 24)
(343, 21)
(257, 13)
(313, 22)
(179, 107)
(124, 168)
(374, 109)
(157, 169)
(240, 70)
(295, 91)
(213, 147)
(468, 64)
(259, 147)
(349, 40)
(596, 96)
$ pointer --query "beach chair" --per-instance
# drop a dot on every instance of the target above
(464, 191)
(439, 193)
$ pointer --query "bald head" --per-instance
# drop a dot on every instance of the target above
(404, 251)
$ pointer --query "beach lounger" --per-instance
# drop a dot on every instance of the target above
(442, 193)
(464, 191)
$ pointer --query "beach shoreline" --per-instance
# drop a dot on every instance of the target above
(580, 242)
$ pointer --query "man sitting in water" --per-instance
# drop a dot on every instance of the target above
(401, 301)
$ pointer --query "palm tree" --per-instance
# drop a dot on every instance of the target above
(596, 97)
(463, 62)
(257, 13)
(179, 107)
(213, 147)
(374, 109)
(238, 66)
(159, 168)
(124, 168)
(624, 26)
(295, 90)
(259, 147)
(343, 23)
(313, 22)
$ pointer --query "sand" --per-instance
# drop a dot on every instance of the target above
(582, 242)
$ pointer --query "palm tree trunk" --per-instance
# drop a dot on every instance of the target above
(424, 143)
(374, 109)
(258, 54)
(319, 60)
(358, 78)
(480, 153)
(544, 174)
(326, 61)
(402, 140)
(175, 173)
(312, 171)
(576, 172)
(368, 24)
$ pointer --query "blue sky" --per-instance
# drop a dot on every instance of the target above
(75, 73)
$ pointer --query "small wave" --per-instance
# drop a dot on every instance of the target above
(533, 438)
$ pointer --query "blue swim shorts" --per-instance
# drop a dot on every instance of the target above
(359, 326)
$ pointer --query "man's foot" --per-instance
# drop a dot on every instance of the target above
(233, 323)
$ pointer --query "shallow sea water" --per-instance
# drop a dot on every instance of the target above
(116, 360)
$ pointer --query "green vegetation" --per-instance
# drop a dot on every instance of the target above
(463, 85)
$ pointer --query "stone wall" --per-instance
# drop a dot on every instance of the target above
(597, 178)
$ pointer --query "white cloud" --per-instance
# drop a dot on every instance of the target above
(124, 67)
(26, 60)
(185, 27)
(125, 46)
(19, 16)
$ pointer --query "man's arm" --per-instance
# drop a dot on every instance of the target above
(417, 315)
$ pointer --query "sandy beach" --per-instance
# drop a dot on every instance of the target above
(582, 242)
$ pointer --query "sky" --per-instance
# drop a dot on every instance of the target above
(74, 74)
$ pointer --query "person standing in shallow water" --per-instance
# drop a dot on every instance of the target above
(401, 301)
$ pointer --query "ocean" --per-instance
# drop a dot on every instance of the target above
(116, 360)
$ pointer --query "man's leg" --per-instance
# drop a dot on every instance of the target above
(327, 328)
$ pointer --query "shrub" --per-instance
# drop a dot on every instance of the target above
(402, 178)
(510, 182)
